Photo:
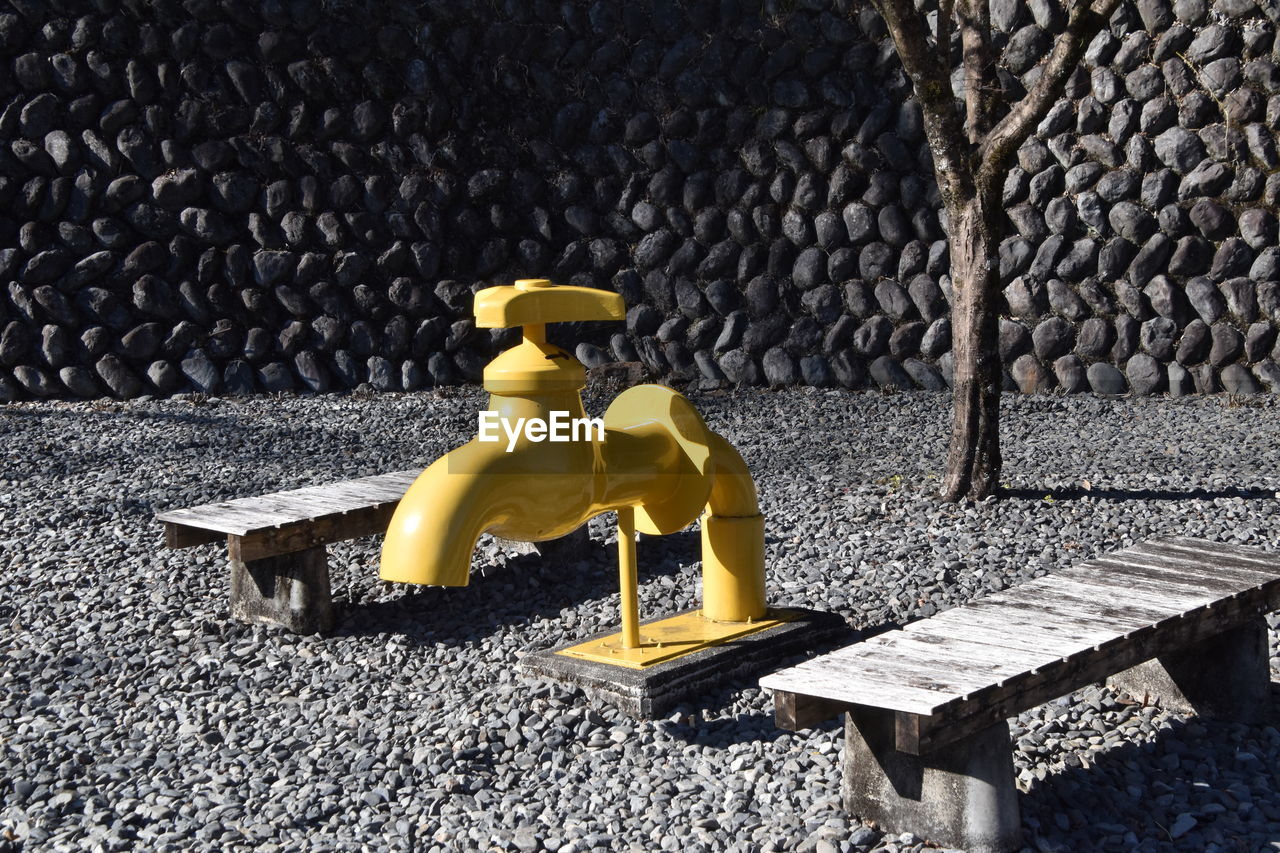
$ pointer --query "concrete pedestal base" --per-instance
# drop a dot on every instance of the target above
(1226, 677)
(290, 591)
(961, 795)
(653, 691)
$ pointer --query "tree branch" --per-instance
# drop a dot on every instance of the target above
(946, 10)
(1085, 19)
(979, 67)
(930, 72)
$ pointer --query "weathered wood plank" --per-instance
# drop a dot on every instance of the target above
(1026, 622)
(1014, 636)
(1174, 561)
(952, 679)
(796, 712)
(1136, 576)
(1142, 568)
(1216, 554)
(1038, 648)
(955, 654)
(226, 518)
(181, 536)
(1067, 607)
(1094, 595)
(362, 504)
(1201, 564)
(822, 679)
(988, 707)
(1123, 577)
(1244, 552)
(312, 533)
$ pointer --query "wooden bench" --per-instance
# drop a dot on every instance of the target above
(276, 543)
(927, 745)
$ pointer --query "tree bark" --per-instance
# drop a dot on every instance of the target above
(971, 155)
(973, 461)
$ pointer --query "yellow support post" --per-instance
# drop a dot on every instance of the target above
(627, 579)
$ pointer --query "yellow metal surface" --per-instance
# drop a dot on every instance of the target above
(672, 638)
(534, 367)
(536, 301)
(658, 465)
(628, 581)
(733, 568)
(659, 418)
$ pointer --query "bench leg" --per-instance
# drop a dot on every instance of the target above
(291, 591)
(961, 795)
(1226, 677)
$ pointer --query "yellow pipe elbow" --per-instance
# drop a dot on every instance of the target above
(436, 525)
(732, 541)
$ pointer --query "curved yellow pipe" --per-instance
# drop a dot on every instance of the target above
(732, 540)
(542, 491)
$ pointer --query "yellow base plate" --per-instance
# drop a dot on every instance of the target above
(671, 638)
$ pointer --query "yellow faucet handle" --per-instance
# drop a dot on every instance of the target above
(535, 301)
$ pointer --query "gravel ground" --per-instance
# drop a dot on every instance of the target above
(133, 714)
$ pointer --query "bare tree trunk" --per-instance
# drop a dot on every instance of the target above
(971, 154)
(973, 461)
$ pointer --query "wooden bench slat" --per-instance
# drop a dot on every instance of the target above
(956, 653)
(308, 534)
(892, 660)
(228, 518)
(1138, 585)
(1140, 572)
(1068, 607)
(1247, 553)
(1097, 593)
(1014, 638)
(1152, 567)
(832, 682)
(1182, 563)
(1025, 623)
(1224, 556)
(1019, 632)
(953, 663)
(366, 499)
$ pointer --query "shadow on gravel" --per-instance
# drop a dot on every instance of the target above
(756, 726)
(1194, 769)
(524, 589)
(202, 418)
(1076, 493)
(739, 729)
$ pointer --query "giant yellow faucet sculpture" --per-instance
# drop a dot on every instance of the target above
(657, 465)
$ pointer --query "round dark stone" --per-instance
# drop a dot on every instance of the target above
(1236, 379)
(889, 375)
(894, 300)
(1106, 379)
(1228, 344)
(1070, 374)
(1052, 338)
(810, 268)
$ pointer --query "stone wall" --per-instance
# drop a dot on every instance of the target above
(236, 197)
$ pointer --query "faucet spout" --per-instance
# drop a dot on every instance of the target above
(474, 489)
(435, 528)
